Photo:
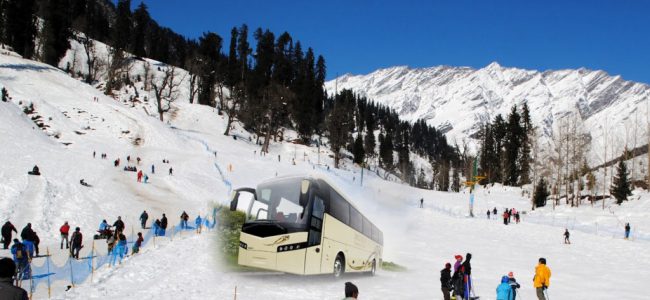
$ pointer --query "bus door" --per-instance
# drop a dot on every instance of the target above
(314, 247)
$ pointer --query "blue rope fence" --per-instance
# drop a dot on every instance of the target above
(74, 271)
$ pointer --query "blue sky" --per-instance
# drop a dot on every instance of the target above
(361, 36)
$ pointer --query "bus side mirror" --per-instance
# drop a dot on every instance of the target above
(233, 204)
(235, 197)
(304, 193)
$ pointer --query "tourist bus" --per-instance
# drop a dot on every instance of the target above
(305, 225)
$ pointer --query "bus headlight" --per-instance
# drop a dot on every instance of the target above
(297, 246)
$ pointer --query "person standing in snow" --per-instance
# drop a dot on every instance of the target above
(504, 292)
(627, 231)
(351, 291)
(542, 278)
(171, 171)
(513, 284)
(140, 176)
(184, 218)
(37, 241)
(488, 214)
(22, 259)
(27, 234)
(421, 202)
(146, 178)
(197, 222)
(457, 278)
(445, 281)
(143, 219)
(76, 242)
(494, 212)
(466, 270)
(119, 225)
(153, 169)
(64, 230)
(163, 224)
(7, 228)
(138, 243)
(7, 289)
(505, 217)
(566, 236)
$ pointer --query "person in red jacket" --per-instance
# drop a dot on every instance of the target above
(64, 230)
(140, 176)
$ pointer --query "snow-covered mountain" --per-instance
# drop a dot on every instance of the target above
(459, 100)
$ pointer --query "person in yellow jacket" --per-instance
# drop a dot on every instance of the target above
(542, 278)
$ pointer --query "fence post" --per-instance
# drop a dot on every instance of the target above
(71, 274)
(235, 292)
(47, 262)
(172, 236)
(92, 265)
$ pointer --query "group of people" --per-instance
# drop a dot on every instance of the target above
(459, 285)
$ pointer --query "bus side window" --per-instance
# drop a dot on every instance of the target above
(339, 208)
(318, 211)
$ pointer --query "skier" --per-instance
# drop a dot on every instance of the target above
(7, 289)
(445, 281)
(566, 236)
(140, 176)
(184, 218)
(421, 202)
(542, 278)
(488, 214)
(138, 243)
(504, 292)
(466, 269)
(171, 171)
(119, 225)
(153, 169)
(513, 284)
(197, 222)
(627, 231)
(494, 212)
(351, 291)
(76, 243)
(7, 228)
(143, 219)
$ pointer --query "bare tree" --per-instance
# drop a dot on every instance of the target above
(118, 66)
(91, 57)
(166, 90)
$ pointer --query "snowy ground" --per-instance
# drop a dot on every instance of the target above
(598, 265)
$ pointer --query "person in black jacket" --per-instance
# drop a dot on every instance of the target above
(119, 225)
(513, 284)
(7, 228)
(163, 222)
(27, 234)
(445, 281)
(7, 289)
(76, 243)
(37, 241)
(467, 275)
(143, 219)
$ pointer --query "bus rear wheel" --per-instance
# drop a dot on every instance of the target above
(339, 266)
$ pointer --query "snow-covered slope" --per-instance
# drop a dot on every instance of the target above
(461, 99)
(192, 139)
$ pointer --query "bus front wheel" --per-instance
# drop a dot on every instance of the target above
(339, 266)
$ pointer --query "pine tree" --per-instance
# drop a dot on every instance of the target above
(621, 187)
(340, 123)
(525, 155)
(359, 153)
(56, 31)
(541, 193)
(386, 151)
(513, 147)
(20, 26)
(142, 21)
(209, 52)
(455, 181)
(121, 30)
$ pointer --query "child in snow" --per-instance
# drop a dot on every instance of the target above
(504, 292)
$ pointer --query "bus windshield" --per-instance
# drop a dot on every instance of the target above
(279, 201)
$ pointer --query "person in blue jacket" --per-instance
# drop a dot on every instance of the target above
(504, 291)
